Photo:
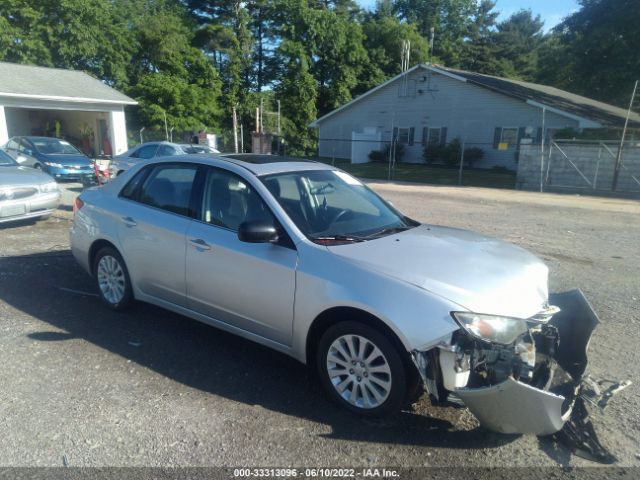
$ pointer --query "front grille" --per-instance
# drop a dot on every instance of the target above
(17, 193)
(77, 167)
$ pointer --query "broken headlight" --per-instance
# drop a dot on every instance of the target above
(491, 328)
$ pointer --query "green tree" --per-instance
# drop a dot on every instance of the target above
(298, 90)
(383, 42)
(480, 52)
(225, 35)
(517, 41)
(144, 48)
(595, 51)
(78, 34)
(450, 20)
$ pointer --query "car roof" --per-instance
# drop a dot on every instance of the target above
(266, 166)
(262, 164)
(38, 137)
(155, 142)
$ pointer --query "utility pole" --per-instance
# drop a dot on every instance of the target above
(166, 130)
(461, 164)
(544, 110)
(616, 172)
(261, 110)
(279, 132)
(235, 131)
(432, 34)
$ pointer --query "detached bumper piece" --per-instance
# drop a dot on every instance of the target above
(515, 407)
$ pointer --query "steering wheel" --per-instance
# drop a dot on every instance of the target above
(340, 215)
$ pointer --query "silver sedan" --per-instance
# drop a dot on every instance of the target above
(305, 259)
(25, 193)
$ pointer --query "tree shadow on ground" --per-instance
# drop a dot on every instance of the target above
(205, 358)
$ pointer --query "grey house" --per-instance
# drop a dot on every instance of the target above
(432, 105)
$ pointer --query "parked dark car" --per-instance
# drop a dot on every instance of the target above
(194, 148)
(57, 157)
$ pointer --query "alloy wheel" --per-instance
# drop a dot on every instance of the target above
(359, 371)
(111, 279)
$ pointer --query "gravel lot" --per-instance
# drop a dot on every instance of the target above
(82, 386)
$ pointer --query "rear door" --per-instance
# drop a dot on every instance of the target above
(248, 285)
(153, 219)
(145, 152)
(166, 150)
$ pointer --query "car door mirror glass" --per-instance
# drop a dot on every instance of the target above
(257, 232)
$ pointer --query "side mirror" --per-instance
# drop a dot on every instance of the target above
(28, 152)
(257, 232)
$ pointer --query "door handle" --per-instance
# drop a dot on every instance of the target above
(200, 244)
(129, 222)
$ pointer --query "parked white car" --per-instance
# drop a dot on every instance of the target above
(25, 193)
(305, 259)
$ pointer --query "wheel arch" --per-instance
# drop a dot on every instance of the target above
(335, 315)
(95, 248)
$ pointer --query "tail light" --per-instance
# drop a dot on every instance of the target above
(77, 205)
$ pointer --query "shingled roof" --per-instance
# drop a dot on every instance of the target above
(539, 95)
(601, 112)
(28, 81)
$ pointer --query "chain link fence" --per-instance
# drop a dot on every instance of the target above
(581, 166)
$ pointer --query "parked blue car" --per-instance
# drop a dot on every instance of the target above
(57, 157)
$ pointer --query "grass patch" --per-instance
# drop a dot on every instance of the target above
(420, 173)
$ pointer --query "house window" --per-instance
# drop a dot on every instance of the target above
(404, 135)
(509, 136)
(433, 136)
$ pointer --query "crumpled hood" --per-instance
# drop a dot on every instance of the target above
(482, 274)
(15, 176)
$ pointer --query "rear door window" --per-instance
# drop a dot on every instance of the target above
(167, 151)
(169, 188)
(147, 151)
(12, 145)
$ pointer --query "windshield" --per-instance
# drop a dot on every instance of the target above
(6, 160)
(333, 207)
(53, 146)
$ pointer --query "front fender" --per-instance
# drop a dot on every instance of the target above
(418, 318)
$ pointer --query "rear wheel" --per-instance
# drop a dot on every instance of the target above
(361, 369)
(37, 166)
(112, 278)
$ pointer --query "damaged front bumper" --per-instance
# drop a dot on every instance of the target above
(527, 387)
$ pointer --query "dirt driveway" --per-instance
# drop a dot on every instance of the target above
(83, 386)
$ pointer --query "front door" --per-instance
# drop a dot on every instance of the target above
(248, 285)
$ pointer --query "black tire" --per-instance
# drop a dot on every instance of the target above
(37, 166)
(396, 393)
(126, 299)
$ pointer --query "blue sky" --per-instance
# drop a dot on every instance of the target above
(551, 11)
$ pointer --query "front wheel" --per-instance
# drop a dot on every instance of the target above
(112, 278)
(361, 370)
